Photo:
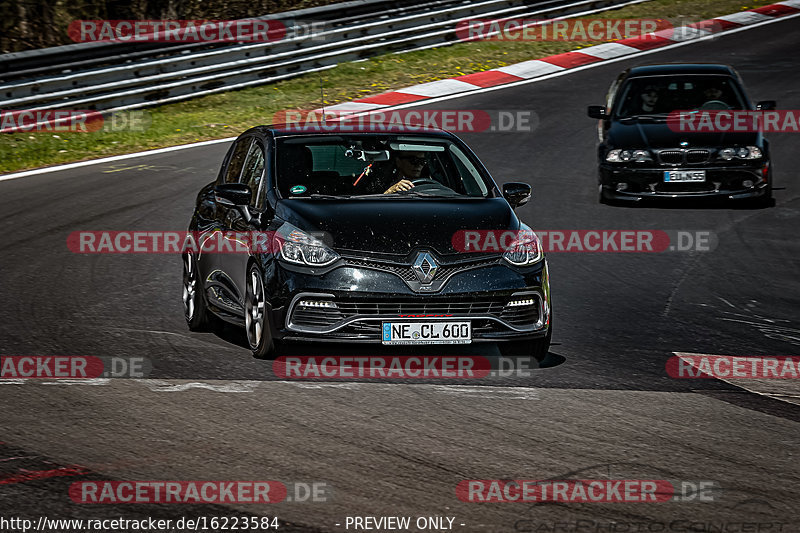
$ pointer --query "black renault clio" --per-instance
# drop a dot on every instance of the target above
(642, 154)
(366, 229)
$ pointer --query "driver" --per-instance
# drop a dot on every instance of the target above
(408, 167)
(712, 93)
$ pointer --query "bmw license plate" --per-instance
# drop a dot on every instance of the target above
(684, 175)
(427, 332)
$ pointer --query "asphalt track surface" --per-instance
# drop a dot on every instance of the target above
(605, 408)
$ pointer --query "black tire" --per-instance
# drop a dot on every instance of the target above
(536, 348)
(195, 309)
(257, 327)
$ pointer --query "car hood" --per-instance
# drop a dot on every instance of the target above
(397, 226)
(644, 135)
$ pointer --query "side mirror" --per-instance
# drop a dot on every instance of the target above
(233, 194)
(597, 111)
(517, 194)
(766, 105)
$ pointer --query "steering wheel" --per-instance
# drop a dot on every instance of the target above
(715, 104)
(422, 181)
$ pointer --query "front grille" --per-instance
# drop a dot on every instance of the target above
(671, 157)
(420, 307)
(697, 156)
(322, 318)
(679, 157)
(405, 272)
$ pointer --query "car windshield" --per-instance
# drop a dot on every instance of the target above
(660, 95)
(387, 166)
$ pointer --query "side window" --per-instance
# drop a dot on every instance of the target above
(237, 160)
(253, 170)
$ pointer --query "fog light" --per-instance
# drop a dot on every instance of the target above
(622, 186)
(520, 303)
(316, 303)
(747, 183)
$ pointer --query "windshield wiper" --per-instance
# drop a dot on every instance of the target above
(644, 118)
(424, 194)
(328, 196)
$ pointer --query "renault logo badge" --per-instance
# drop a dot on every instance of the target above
(425, 267)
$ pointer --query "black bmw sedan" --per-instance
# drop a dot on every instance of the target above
(650, 145)
(361, 240)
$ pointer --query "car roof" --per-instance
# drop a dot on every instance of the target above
(682, 68)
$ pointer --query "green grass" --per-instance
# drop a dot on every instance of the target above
(228, 114)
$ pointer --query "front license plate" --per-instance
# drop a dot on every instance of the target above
(684, 175)
(427, 332)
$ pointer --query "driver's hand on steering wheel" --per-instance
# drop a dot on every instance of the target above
(402, 185)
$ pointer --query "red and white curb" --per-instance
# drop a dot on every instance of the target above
(549, 65)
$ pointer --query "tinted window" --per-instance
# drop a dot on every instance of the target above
(656, 95)
(236, 162)
(253, 171)
(359, 165)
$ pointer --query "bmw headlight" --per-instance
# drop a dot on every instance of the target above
(525, 250)
(742, 152)
(300, 248)
(623, 156)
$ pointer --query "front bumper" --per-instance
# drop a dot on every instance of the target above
(633, 183)
(366, 297)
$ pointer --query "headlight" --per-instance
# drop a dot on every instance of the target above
(618, 156)
(525, 250)
(743, 152)
(300, 248)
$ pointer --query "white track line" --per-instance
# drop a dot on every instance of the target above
(110, 159)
